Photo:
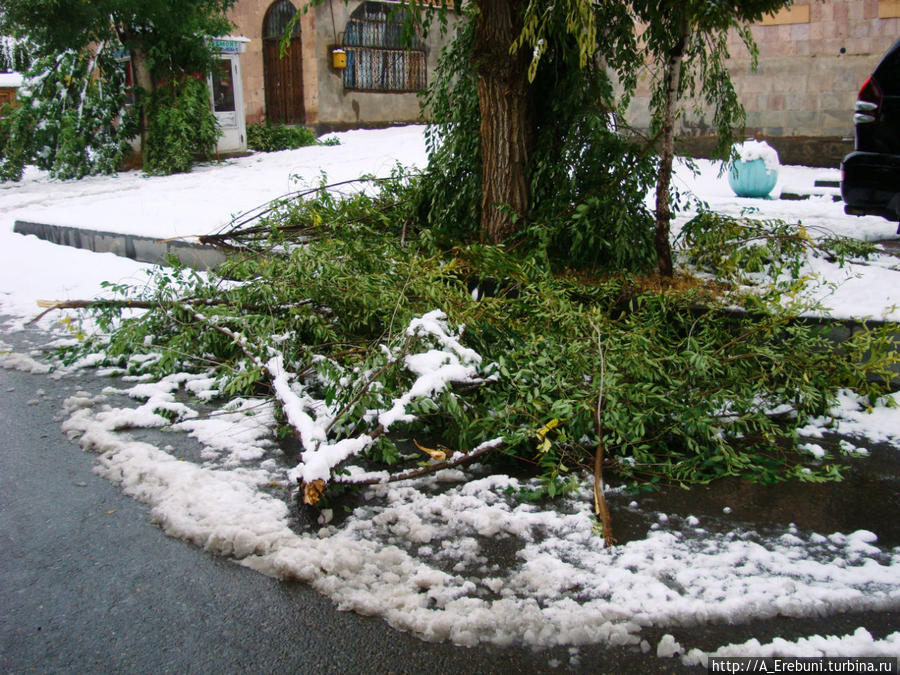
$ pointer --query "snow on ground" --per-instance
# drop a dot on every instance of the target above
(200, 202)
(456, 557)
(453, 556)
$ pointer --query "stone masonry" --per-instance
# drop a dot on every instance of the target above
(813, 59)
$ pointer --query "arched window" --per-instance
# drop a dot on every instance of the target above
(378, 58)
(283, 75)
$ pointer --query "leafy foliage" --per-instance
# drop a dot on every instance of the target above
(71, 118)
(689, 388)
(182, 126)
(587, 182)
(13, 55)
(173, 33)
(265, 137)
(747, 250)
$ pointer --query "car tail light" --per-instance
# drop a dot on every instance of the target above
(868, 103)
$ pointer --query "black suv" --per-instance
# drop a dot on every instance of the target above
(870, 183)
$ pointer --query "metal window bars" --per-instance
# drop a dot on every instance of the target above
(384, 69)
(382, 52)
(381, 30)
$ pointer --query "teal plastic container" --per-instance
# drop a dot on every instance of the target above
(752, 179)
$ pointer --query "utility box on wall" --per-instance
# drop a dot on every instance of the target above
(227, 95)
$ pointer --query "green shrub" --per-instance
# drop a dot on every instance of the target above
(181, 127)
(265, 137)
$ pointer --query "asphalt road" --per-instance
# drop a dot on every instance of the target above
(89, 585)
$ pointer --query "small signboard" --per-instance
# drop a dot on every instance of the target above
(229, 45)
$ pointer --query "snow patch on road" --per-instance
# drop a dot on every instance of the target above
(466, 560)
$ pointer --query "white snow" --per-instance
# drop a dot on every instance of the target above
(13, 80)
(751, 150)
(859, 643)
(423, 553)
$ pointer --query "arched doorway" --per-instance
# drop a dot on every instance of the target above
(283, 76)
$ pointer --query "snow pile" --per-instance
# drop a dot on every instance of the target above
(457, 556)
(859, 643)
(11, 80)
(751, 150)
(853, 416)
(12, 360)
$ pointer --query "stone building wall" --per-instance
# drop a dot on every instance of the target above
(248, 16)
(813, 59)
(327, 104)
(342, 108)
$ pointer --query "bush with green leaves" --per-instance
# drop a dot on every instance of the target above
(6, 120)
(265, 137)
(70, 120)
(673, 382)
(182, 126)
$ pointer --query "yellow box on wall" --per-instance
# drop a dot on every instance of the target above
(794, 14)
(888, 9)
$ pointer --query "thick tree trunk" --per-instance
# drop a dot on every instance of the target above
(143, 84)
(504, 102)
(664, 179)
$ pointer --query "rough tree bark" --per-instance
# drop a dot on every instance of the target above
(505, 105)
(143, 82)
(664, 179)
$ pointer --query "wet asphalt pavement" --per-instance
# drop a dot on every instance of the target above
(89, 585)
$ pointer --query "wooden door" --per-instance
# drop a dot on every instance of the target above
(283, 82)
(283, 76)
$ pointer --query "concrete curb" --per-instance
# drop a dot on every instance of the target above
(135, 247)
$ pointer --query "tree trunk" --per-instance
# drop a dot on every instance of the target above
(143, 86)
(664, 179)
(504, 102)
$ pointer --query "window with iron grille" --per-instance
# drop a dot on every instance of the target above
(379, 57)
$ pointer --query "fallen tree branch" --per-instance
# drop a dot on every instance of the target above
(53, 305)
(233, 229)
(457, 459)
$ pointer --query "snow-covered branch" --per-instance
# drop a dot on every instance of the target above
(444, 362)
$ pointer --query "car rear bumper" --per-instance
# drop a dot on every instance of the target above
(870, 184)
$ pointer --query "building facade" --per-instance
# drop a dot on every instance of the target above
(372, 82)
(813, 59)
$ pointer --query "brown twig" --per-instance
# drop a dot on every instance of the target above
(601, 509)
(457, 459)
